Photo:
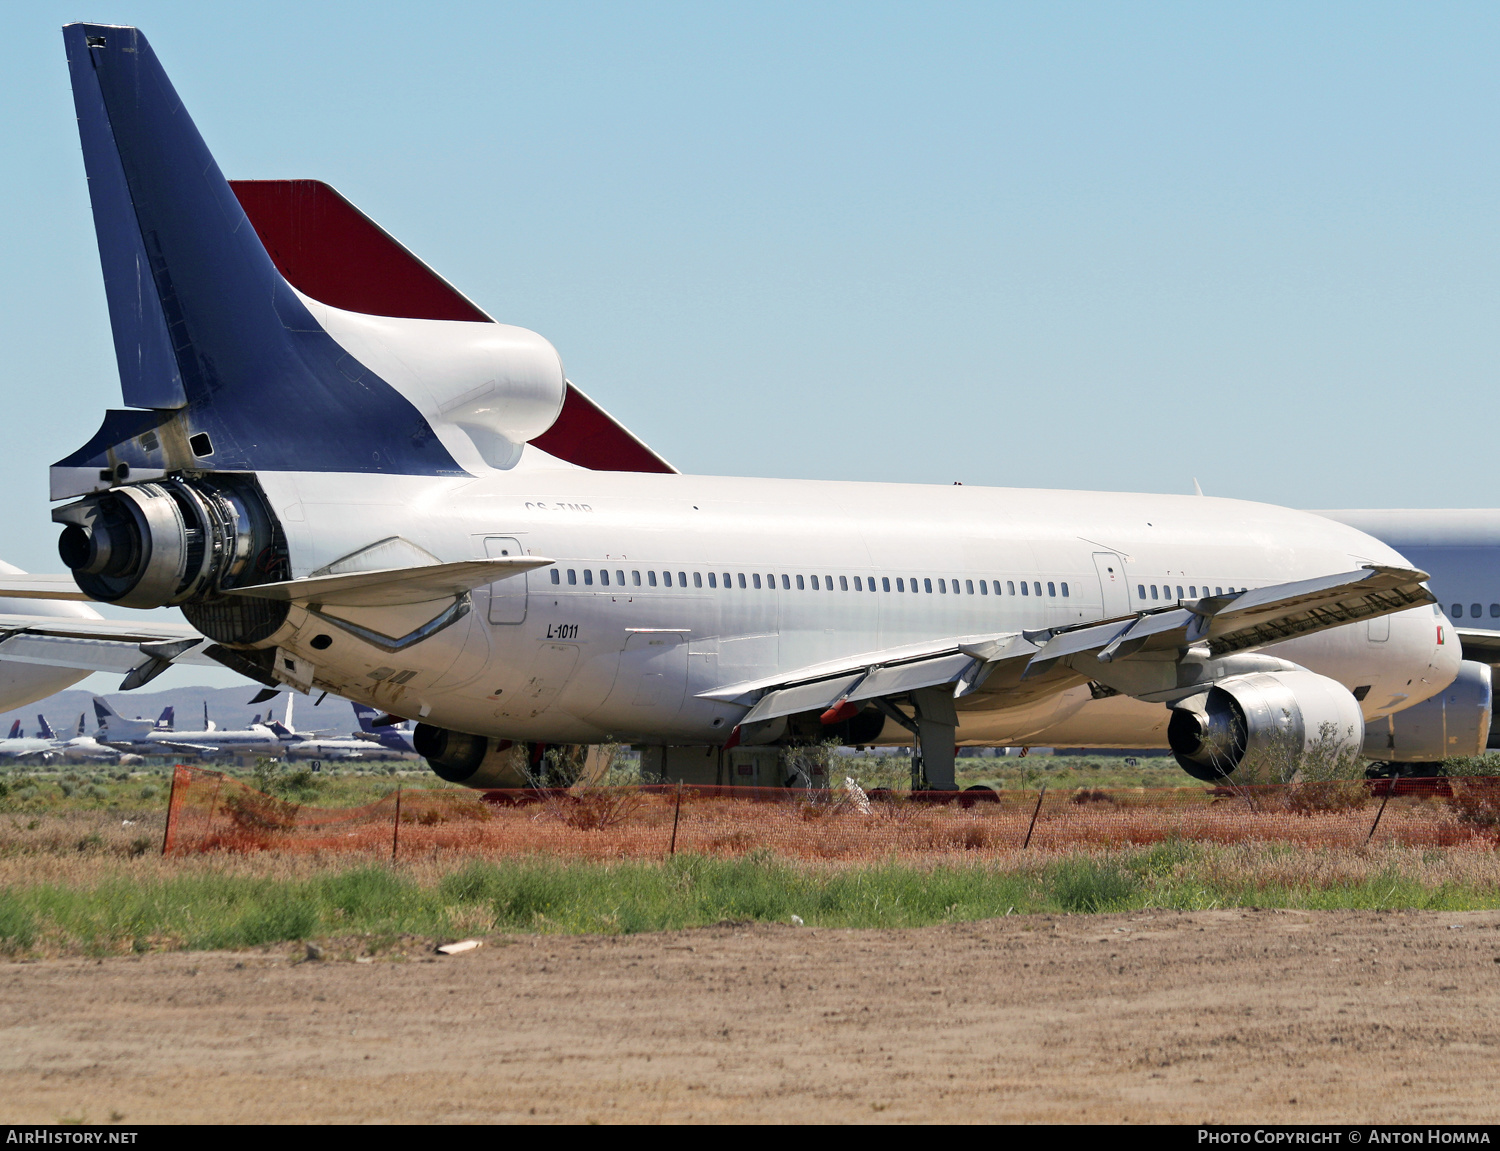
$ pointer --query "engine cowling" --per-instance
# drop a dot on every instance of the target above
(476, 761)
(1456, 721)
(1264, 719)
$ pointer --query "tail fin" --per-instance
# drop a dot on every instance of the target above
(44, 729)
(364, 714)
(207, 332)
(167, 718)
(15, 729)
(117, 726)
(287, 718)
(240, 371)
(82, 727)
(328, 249)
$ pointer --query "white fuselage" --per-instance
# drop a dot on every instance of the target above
(669, 586)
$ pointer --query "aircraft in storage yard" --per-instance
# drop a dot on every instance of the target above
(349, 478)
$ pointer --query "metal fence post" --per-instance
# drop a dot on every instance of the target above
(1384, 799)
(676, 815)
(1035, 812)
(396, 826)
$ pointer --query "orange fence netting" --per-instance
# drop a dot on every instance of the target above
(210, 811)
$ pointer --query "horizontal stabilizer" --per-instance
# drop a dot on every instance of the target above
(393, 586)
(21, 585)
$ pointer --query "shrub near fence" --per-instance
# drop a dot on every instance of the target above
(214, 812)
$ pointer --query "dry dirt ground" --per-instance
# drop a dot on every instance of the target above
(1172, 1017)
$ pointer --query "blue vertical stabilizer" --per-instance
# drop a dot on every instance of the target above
(207, 331)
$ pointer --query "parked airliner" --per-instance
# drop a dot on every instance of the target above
(363, 484)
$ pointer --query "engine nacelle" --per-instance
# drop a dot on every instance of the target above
(180, 542)
(1264, 718)
(476, 761)
(1456, 721)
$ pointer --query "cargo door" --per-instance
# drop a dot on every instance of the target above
(507, 596)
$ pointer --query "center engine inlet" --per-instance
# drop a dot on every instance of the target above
(180, 542)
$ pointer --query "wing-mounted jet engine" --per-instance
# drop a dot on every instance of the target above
(1273, 718)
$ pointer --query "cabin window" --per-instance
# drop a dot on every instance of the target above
(556, 576)
(900, 584)
(942, 586)
(742, 579)
(812, 582)
(871, 581)
(666, 578)
(1051, 589)
(1475, 611)
(697, 579)
(927, 585)
(728, 583)
(1065, 591)
(1037, 587)
(755, 579)
(713, 580)
(682, 579)
(1140, 591)
(1025, 588)
(604, 576)
(1458, 611)
(619, 577)
(651, 578)
(786, 583)
(771, 582)
(1179, 592)
(844, 583)
(1153, 591)
(1192, 593)
(1218, 591)
(1494, 610)
(997, 587)
(1010, 586)
(801, 584)
(572, 576)
(858, 583)
(885, 583)
(635, 578)
(969, 586)
(588, 577)
(984, 587)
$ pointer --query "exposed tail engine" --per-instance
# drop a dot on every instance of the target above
(180, 542)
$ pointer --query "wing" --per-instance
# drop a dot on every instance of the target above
(1155, 655)
(139, 650)
(1480, 645)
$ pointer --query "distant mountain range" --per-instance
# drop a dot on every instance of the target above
(228, 707)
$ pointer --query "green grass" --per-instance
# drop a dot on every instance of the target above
(221, 910)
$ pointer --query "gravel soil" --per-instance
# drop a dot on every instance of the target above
(1231, 1017)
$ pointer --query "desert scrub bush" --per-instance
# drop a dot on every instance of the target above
(1483, 766)
(148, 792)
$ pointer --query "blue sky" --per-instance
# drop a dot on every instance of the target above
(1082, 246)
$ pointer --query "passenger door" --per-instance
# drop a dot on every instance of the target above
(507, 596)
(1116, 591)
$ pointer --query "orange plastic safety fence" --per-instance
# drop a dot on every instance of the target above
(214, 812)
